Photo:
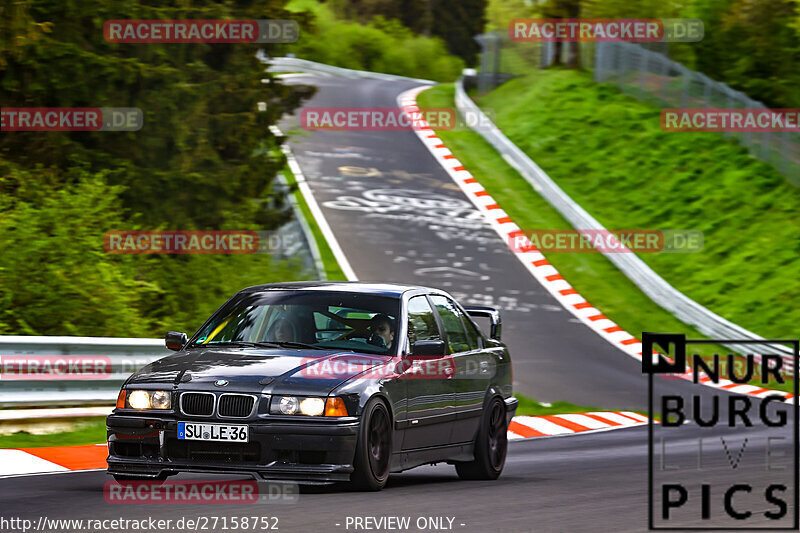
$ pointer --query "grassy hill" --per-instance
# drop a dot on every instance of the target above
(607, 151)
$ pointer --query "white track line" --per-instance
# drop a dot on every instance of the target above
(313, 206)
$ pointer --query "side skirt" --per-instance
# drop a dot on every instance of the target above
(438, 454)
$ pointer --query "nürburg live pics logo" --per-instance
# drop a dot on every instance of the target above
(723, 455)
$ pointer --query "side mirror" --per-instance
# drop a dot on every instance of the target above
(175, 340)
(492, 314)
(434, 347)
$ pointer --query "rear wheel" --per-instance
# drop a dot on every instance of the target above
(374, 448)
(491, 445)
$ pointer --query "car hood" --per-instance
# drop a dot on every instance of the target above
(258, 370)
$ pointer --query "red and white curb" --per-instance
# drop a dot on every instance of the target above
(533, 260)
(29, 461)
(526, 427)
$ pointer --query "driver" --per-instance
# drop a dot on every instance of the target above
(282, 330)
(381, 329)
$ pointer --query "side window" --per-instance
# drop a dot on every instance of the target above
(451, 320)
(421, 322)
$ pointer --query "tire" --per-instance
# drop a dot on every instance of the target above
(373, 449)
(491, 445)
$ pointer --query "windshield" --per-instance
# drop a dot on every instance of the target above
(306, 319)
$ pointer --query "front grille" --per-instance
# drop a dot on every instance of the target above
(197, 403)
(235, 405)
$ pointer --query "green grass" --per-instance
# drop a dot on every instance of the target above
(607, 151)
(92, 431)
(592, 275)
(332, 270)
(530, 407)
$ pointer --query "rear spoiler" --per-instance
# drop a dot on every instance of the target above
(487, 312)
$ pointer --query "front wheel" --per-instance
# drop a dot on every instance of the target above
(491, 445)
(374, 448)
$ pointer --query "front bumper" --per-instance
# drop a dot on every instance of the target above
(300, 451)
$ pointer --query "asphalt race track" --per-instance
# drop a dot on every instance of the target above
(399, 217)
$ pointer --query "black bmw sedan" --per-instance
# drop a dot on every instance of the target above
(321, 382)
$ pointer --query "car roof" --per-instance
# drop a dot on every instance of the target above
(385, 289)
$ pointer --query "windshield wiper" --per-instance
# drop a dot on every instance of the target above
(228, 343)
(289, 344)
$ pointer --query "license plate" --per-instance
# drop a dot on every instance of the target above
(212, 432)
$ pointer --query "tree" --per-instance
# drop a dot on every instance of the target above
(753, 46)
(457, 22)
(563, 9)
(205, 159)
(413, 14)
(204, 145)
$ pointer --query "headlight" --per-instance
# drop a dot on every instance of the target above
(145, 399)
(288, 405)
(312, 406)
(308, 406)
(139, 399)
(160, 400)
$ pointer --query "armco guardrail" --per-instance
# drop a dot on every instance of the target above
(661, 292)
(23, 385)
(293, 64)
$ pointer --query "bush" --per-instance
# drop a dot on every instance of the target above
(57, 279)
(379, 46)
